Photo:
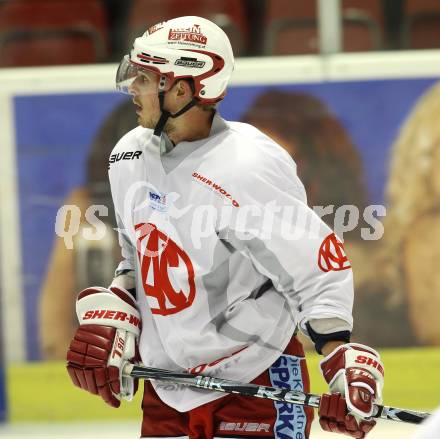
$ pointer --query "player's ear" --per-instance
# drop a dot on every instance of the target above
(184, 89)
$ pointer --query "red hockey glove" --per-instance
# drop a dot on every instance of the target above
(355, 376)
(105, 340)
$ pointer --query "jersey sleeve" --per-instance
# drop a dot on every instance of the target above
(125, 270)
(289, 244)
(127, 249)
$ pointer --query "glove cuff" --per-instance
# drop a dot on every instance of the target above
(109, 307)
(351, 355)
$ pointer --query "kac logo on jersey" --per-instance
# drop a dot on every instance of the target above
(158, 202)
(166, 269)
(332, 255)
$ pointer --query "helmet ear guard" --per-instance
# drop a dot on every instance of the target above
(210, 81)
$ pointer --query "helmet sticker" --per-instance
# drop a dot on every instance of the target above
(190, 34)
(189, 62)
(155, 28)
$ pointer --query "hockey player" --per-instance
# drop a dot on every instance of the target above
(223, 262)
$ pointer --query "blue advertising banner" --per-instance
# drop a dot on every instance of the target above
(63, 152)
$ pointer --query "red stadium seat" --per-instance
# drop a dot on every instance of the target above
(228, 14)
(363, 25)
(418, 6)
(370, 9)
(52, 32)
(421, 24)
(292, 27)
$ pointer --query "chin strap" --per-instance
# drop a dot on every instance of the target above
(165, 114)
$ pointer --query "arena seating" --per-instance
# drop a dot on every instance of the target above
(52, 32)
(292, 27)
(230, 15)
(421, 24)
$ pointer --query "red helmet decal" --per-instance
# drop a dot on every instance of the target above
(155, 28)
(218, 64)
(191, 34)
(332, 255)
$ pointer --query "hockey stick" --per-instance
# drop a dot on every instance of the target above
(274, 393)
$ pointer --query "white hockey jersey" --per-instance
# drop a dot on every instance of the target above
(229, 259)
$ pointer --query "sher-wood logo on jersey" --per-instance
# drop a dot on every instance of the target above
(332, 255)
(191, 34)
(167, 271)
(216, 187)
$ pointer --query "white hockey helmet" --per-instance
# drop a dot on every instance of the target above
(185, 47)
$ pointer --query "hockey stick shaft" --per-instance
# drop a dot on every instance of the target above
(255, 390)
